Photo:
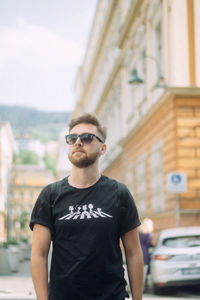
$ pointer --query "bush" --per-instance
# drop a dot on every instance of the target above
(4, 245)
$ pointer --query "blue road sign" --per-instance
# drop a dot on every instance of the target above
(176, 182)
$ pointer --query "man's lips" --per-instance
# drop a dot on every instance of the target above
(78, 151)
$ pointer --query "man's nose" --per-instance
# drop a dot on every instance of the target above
(78, 141)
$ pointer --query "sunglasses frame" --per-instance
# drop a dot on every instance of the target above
(90, 138)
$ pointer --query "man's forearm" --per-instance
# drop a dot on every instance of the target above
(135, 274)
(39, 270)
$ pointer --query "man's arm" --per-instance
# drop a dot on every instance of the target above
(134, 261)
(39, 260)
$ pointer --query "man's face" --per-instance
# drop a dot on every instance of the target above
(84, 155)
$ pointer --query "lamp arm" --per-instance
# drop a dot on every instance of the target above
(157, 65)
(136, 79)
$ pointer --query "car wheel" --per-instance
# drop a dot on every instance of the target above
(157, 290)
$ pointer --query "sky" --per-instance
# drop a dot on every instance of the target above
(42, 43)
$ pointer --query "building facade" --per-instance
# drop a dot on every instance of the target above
(63, 166)
(6, 156)
(26, 183)
(141, 76)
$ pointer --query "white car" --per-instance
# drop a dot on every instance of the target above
(175, 260)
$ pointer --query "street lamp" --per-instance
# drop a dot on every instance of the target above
(135, 79)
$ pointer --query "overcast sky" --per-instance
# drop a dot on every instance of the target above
(42, 42)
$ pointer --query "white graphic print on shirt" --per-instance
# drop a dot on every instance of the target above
(84, 211)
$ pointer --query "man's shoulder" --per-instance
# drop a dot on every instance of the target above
(114, 182)
(55, 186)
(108, 180)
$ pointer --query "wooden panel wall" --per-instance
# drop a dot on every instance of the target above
(177, 124)
(188, 147)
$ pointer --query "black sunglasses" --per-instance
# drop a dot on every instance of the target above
(86, 138)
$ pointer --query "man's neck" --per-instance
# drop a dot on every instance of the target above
(83, 177)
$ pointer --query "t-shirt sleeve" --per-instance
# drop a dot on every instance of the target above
(42, 211)
(129, 218)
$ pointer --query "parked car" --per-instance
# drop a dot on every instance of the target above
(175, 260)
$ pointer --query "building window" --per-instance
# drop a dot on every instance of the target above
(31, 195)
(129, 177)
(30, 207)
(158, 66)
(138, 92)
(21, 195)
(141, 184)
(157, 182)
(157, 42)
(142, 87)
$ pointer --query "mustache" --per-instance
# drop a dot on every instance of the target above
(78, 149)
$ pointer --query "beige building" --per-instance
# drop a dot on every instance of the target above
(25, 185)
(63, 166)
(141, 76)
(6, 156)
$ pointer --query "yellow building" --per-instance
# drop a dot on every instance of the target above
(25, 185)
(141, 76)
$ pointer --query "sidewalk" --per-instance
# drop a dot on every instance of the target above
(19, 285)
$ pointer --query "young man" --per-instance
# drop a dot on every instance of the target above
(85, 215)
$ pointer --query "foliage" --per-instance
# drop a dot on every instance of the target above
(34, 123)
(4, 245)
(26, 157)
(46, 132)
(50, 162)
(24, 219)
(24, 240)
(11, 241)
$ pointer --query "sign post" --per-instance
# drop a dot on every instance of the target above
(177, 211)
(177, 183)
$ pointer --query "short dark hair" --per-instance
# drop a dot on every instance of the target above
(89, 118)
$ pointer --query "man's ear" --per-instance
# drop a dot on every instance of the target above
(103, 149)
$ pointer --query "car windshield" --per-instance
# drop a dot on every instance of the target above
(182, 241)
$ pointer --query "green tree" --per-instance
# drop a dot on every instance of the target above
(26, 157)
(24, 219)
(50, 162)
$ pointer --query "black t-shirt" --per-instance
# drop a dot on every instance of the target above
(86, 226)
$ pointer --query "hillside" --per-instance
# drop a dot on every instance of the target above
(34, 123)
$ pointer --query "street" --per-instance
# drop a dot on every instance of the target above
(187, 292)
(19, 286)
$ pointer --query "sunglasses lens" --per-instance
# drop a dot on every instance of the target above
(71, 139)
(86, 138)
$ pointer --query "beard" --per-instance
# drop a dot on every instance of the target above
(85, 160)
